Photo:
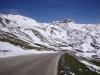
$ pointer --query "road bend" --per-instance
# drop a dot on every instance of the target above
(37, 64)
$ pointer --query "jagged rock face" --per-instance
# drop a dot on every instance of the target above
(28, 33)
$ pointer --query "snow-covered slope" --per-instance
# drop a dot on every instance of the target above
(58, 35)
(23, 33)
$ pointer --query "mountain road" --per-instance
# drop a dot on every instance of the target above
(35, 64)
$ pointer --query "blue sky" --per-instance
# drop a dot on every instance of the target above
(81, 11)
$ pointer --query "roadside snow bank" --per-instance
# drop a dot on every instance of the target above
(7, 50)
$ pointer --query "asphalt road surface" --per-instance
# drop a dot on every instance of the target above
(37, 64)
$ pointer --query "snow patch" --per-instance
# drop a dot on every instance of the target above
(17, 51)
